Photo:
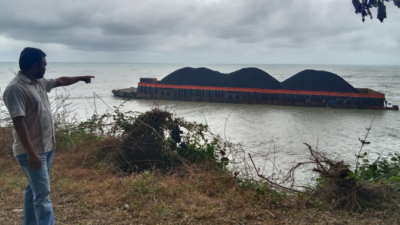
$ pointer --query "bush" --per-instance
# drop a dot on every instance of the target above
(156, 140)
(72, 141)
(384, 169)
(153, 140)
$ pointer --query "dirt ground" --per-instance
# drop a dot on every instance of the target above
(86, 190)
(93, 196)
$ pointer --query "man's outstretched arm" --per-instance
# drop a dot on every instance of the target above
(65, 81)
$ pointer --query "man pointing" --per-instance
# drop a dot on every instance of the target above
(34, 142)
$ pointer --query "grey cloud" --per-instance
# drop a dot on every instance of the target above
(226, 26)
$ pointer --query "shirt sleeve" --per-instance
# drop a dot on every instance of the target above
(48, 84)
(15, 100)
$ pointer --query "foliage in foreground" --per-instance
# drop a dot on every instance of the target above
(384, 169)
(339, 187)
(153, 141)
(156, 140)
(364, 7)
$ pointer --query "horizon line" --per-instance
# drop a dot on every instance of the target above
(338, 64)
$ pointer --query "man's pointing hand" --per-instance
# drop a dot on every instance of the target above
(87, 79)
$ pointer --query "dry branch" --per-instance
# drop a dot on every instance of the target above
(270, 181)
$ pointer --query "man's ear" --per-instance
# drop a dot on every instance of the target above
(36, 66)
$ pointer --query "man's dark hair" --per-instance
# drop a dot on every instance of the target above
(29, 56)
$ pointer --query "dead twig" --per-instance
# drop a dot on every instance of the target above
(363, 142)
(270, 213)
(238, 220)
(270, 181)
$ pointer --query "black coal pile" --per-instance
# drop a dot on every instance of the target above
(244, 78)
(193, 76)
(313, 80)
(249, 78)
(307, 80)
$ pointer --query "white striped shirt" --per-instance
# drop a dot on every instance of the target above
(29, 99)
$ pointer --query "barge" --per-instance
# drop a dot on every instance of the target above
(151, 88)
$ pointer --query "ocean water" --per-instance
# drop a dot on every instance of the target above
(335, 131)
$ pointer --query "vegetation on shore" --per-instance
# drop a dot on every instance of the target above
(154, 168)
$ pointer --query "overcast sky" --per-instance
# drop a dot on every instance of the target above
(199, 31)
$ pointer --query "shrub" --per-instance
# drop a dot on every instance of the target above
(153, 139)
(383, 169)
(156, 139)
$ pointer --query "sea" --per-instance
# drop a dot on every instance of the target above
(258, 128)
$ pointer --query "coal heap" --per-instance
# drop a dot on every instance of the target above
(244, 78)
(249, 78)
(314, 80)
(193, 76)
(307, 80)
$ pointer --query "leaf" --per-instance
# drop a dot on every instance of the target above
(372, 167)
(394, 159)
(357, 6)
(373, 3)
(370, 14)
(397, 3)
(351, 174)
(381, 11)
